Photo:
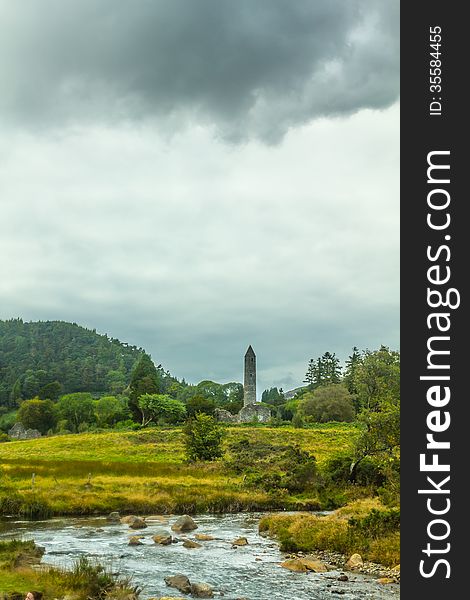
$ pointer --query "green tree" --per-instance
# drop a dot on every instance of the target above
(198, 404)
(324, 370)
(377, 379)
(37, 414)
(160, 408)
(76, 409)
(203, 438)
(50, 391)
(298, 421)
(116, 381)
(16, 393)
(109, 410)
(327, 403)
(273, 396)
(380, 437)
(144, 380)
(350, 371)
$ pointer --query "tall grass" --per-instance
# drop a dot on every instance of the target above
(364, 527)
(144, 471)
(86, 580)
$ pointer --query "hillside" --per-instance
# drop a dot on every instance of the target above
(33, 355)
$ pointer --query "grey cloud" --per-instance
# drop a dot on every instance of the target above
(249, 69)
(193, 249)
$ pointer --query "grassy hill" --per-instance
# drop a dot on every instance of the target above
(145, 471)
(33, 355)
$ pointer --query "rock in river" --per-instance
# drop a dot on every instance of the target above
(114, 517)
(180, 582)
(241, 541)
(355, 562)
(190, 544)
(203, 537)
(138, 523)
(313, 564)
(135, 541)
(294, 564)
(162, 537)
(183, 524)
(202, 590)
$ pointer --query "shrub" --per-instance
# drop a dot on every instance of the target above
(338, 470)
(203, 438)
(377, 523)
(272, 467)
(328, 403)
(37, 414)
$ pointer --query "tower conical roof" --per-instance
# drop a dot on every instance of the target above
(250, 351)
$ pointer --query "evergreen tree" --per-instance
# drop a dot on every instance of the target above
(16, 393)
(325, 370)
(144, 380)
(351, 369)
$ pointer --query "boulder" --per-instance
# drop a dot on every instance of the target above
(114, 517)
(128, 519)
(135, 540)
(203, 537)
(202, 590)
(180, 582)
(355, 562)
(241, 541)
(190, 544)
(294, 564)
(162, 537)
(385, 580)
(138, 523)
(184, 524)
(343, 578)
(313, 564)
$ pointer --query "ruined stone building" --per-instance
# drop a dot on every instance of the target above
(252, 410)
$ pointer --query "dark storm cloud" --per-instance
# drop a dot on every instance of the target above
(249, 68)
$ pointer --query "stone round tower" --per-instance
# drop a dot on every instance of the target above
(249, 384)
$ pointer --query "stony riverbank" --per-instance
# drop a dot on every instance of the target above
(226, 553)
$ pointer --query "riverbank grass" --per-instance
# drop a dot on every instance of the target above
(20, 573)
(365, 527)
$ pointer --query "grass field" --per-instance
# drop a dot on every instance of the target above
(143, 471)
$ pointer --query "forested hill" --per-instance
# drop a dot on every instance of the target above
(40, 354)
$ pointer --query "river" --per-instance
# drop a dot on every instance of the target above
(250, 572)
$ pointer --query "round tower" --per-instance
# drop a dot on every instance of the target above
(249, 383)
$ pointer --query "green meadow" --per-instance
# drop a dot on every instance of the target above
(146, 471)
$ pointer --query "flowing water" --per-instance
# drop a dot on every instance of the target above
(250, 572)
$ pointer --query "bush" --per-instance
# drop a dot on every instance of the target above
(7, 421)
(203, 438)
(377, 523)
(272, 467)
(37, 414)
(338, 470)
(298, 421)
(328, 403)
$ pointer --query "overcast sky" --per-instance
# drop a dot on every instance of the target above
(196, 176)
